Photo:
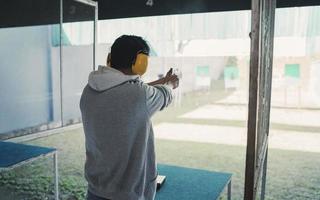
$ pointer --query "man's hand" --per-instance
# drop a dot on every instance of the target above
(171, 79)
(169, 73)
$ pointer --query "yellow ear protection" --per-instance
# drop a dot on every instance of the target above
(141, 64)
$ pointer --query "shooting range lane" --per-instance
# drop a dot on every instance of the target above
(286, 140)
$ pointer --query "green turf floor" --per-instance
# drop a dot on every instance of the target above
(291, 174)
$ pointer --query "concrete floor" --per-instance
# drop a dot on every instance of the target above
(278, 139)
(296, 117)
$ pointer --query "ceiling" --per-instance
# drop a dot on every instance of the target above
(125, 8)
(39, 12)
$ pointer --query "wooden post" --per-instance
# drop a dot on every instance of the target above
(261, 58)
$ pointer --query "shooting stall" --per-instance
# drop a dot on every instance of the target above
(55, 16)
(37, 12)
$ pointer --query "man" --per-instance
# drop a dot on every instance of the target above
(116, 108)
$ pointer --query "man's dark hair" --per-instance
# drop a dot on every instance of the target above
(125, 49)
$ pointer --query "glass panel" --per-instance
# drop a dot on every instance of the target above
(205, 127)
(30, 80)
(294, 155)
(77, 56)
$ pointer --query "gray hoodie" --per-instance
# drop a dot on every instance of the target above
(116, 111)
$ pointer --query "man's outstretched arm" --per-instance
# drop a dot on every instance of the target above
(160, 81)
(170, 80)
(159, 96)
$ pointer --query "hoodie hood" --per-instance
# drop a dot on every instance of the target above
(106, 77)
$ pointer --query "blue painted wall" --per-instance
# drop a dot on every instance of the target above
(30, 79)
(25, 83)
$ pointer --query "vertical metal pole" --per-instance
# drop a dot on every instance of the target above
(229, 190)
(264, 176)
(56, 175)
(61, 75)
(95, 32)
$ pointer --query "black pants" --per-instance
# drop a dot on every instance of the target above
(91, 196)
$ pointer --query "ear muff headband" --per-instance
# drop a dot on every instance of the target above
(141, 64)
